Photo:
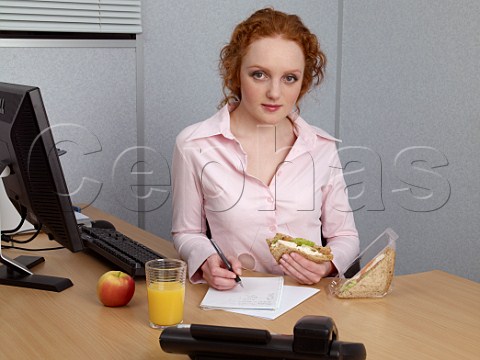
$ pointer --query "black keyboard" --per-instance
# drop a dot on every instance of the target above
(129, 255)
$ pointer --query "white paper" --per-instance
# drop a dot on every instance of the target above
(291, 297)
(263, 293)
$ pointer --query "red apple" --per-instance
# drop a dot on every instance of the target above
(115, 288)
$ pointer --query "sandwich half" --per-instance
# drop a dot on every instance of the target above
(373, 280)
(284, 244)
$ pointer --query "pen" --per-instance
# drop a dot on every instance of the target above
(224, 259)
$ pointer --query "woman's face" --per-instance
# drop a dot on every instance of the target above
(271, 77)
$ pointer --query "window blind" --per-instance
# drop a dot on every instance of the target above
(83, 16)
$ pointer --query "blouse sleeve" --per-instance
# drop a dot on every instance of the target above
(188, 219)
(338, 225)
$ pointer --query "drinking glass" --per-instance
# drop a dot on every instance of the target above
(166, 291)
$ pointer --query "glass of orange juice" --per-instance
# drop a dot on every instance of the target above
(165, 291)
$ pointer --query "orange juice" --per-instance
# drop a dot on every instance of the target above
(165, 302)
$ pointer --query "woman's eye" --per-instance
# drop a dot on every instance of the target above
(258, 75)
(290, 78)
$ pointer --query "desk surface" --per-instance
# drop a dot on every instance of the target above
(432, 315)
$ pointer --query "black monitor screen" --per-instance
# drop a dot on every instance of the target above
(35, 185)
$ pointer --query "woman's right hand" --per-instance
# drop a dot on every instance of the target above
(217, 275)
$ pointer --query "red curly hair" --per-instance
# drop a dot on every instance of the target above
(269, 23)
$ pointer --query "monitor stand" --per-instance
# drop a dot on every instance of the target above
(15, 272)
(11, 275)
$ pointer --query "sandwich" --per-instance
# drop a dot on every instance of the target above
(373, 280)
(284, 244)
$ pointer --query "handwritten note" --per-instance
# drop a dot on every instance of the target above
(257, 293)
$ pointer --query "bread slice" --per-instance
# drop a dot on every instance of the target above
(373, 280)
(284, 244)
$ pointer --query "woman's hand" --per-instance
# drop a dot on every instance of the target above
(303, 270)
(217, 275)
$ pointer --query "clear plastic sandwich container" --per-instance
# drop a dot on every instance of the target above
(370, 275)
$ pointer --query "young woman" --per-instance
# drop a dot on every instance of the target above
(256, 168)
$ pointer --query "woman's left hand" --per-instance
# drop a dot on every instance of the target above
(303, 270)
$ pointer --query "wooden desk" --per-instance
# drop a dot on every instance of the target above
(431, 315)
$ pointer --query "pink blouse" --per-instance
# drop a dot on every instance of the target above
(307, 195)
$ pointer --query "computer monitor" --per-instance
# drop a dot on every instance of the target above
(34, 182)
